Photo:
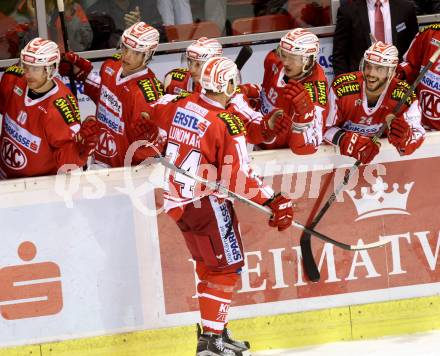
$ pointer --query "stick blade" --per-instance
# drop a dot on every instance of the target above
(243, 56)
(308, 260)
(376, 244)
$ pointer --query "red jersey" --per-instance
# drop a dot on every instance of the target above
(426, 42)
(207, 140)
(272, 97)
(349, 110)
(37, 134)
(179, 80)
(119, 103)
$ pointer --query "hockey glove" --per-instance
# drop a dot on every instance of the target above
(300, 106)
(400, 73)
(360, 147)
(252, 94)
(145, 129)
(399, 133)
(275, 123)
(72, 64)
(282, 212)
(87, 137)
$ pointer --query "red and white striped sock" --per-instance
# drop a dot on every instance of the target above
(214, 308)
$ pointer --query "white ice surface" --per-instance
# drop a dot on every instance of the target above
(427, 344)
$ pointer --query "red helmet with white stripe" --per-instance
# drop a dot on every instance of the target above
(217, 73)
(382, 54)
(203, 49)
(300, 42)
(40, 52)
(43, 53)
(141, 37)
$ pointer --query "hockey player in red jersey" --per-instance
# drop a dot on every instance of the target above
(426, 42)
(205, 139)
(259, 128)
(121, 91)
(295, 82)
(41, 128)
(361, 102)
(188, 79)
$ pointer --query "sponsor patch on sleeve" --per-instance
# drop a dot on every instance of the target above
(433, 26)
(182, 95)
(400, 90)
(179, 74)
(15, 70)
(348, 89)
(344, 78)
(67, 112)
(233, 123)
(75, 107)
(309, 87)
(321, 88)
(152, 89)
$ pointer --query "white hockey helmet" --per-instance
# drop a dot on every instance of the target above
(141, 37)
(382, 54)
(302, 43)
(217, 72)
(203, 49)
(42, 53)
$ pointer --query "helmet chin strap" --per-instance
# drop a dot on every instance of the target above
(305, 71)
(51, 71)
(147, 57)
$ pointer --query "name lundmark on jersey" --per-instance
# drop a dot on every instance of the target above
(183, 136)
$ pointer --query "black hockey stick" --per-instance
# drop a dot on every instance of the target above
(243, 56)
(305, 240)
(218, 187)
(60, 4)
(308, 261)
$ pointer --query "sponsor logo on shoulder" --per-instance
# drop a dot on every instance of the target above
(15, 69)
(179, 75)
(233, 123)
(67, 112)
(348, 89)
(344, 78)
